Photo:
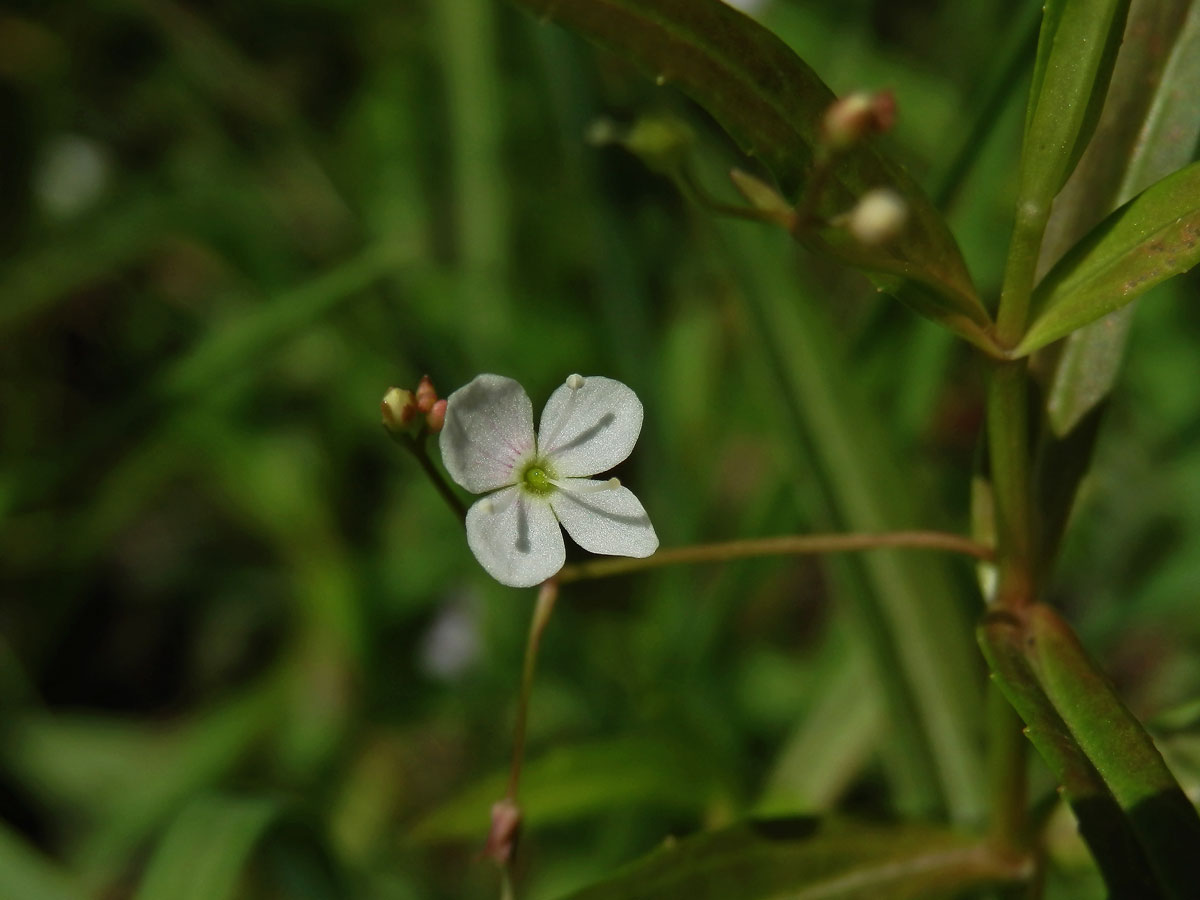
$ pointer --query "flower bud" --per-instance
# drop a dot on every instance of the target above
(857, 115)
(426, 395)
(435, 419)
(878, 217)
(763, 197)
(661, 142)
(398, 408)
(506, 825)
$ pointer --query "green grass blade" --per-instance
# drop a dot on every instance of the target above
(218, 356)
(203, 852)
(912, 602)
(25, 874)
(44, 276)
(469, 41)
(570, 783)
(808, 859)
(830, 745)
(204, 751)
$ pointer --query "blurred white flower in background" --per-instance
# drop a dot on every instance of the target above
(451, 644)
(71, 175)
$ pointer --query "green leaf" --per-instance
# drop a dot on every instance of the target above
(203, 853)
(807, 859)
(1150, 127)
(1101, 821)
(829, 746)
(128, 779)
(1077, 49)
(24, 873)
(772, 103)
(916, 633)
(1148, 240)
(572, 782)
(1162, 817)
(225, 350)
(115, 237)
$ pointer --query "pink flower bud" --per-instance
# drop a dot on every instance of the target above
(426, 395)
(506, 825)
(857, 115)
(398, 408)
(436, 417)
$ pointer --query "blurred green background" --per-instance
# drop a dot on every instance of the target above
(235, 620)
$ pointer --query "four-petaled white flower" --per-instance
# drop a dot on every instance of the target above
(539, 481)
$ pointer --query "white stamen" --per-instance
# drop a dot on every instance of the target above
(491, 507)
(574, 382)
(577, 485)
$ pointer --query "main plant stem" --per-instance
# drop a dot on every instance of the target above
(1012, 495)
(1009, 454)
(1012, 492)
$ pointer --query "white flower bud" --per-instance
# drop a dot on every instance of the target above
(878, 217)
(398, 408)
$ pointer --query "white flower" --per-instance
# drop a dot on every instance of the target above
(488, 444)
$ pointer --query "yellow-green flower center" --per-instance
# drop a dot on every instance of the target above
(536, 479)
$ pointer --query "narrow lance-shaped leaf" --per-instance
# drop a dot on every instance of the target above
(1077, 49)
(1148, 240)
(1150, 127)
(772, 103)
(1166, 824)
(803, 858)
(1102, 823)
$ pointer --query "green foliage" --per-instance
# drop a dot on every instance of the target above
(204, 850)
(1149, 133)
(1142, 828)
(807, 859)
(772, 102)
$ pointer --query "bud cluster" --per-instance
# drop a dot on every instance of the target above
(881, 213)
(402, 408)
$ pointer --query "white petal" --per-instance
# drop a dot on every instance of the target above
(488, 432)
(612, 522)
(515, 537)
(590, 429)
